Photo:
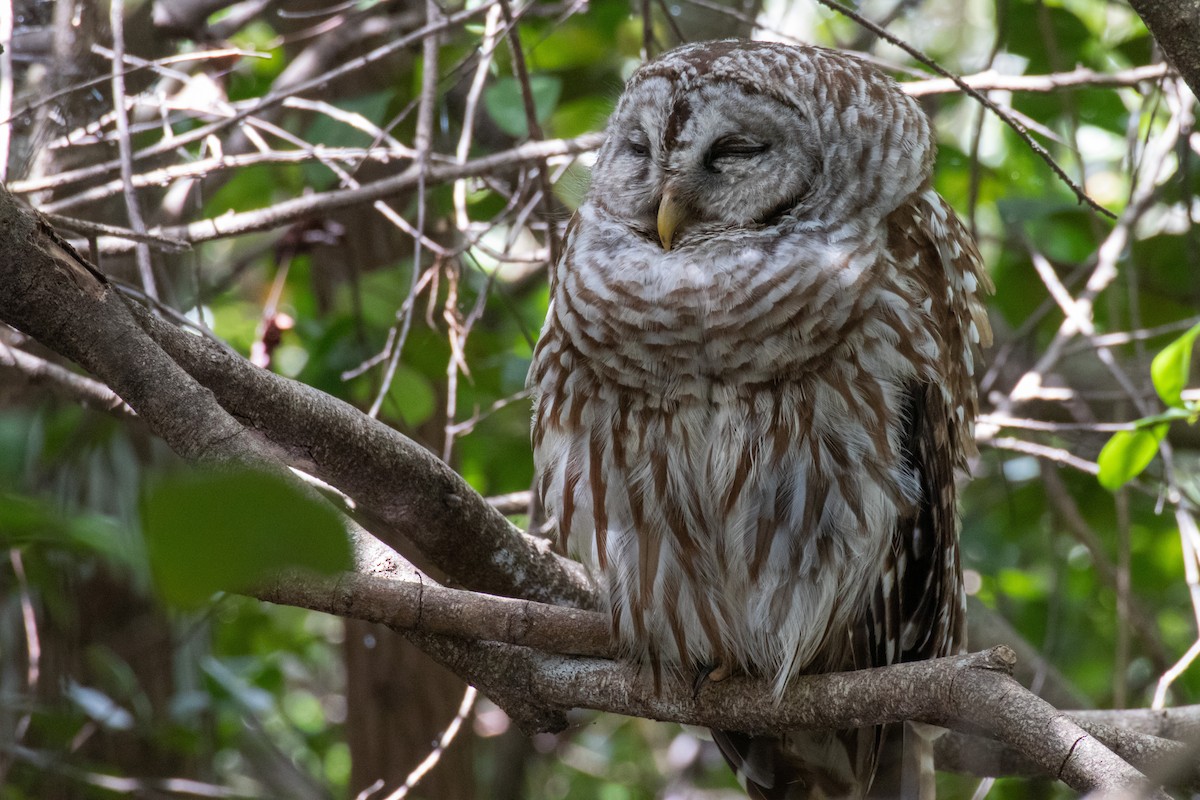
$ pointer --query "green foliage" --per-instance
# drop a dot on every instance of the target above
(1171, 368)
(506, 105)
(1128, 453)
(229, 530)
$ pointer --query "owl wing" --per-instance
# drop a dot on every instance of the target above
(917, 609)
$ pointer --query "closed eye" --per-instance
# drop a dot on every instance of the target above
(733, 147)
(639, 149)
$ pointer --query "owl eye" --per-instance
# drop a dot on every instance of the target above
(639, 149)
(732, 147)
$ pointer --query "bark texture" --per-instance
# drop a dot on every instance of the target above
(1175, 25)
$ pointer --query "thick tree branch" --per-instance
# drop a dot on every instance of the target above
(229, 410)
(974, 691)
(434, 613)
(48, 292)
(1167, 760)
(1175, 25)
(401, 486)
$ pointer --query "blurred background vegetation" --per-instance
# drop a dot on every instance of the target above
(106, 691)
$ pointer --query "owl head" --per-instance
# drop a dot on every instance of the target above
(734, 135)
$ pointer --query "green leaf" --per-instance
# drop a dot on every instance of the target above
(229, 530)
(507, 108)
(1171, 368)
(1127, 454)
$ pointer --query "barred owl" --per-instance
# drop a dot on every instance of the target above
(754, 385)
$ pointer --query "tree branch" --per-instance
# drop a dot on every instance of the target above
(973, 691)
(408, 493)
(424, 607)
(451, 622)
(211, 405)
(50, 293)
(1175, 25)
(79, 388)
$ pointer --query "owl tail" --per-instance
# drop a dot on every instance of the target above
(918, 774)
(893, 762)
(801, 765)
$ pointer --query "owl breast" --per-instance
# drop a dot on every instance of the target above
(747, 308)
(722, 442)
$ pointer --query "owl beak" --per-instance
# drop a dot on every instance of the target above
(670, 216)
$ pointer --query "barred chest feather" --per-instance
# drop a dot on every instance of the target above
(722, 444)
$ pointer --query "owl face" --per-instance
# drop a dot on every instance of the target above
(717, 139)
(687, 163)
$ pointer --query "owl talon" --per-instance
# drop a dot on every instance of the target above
(710, 673)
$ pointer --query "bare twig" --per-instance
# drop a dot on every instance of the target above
(424, 147)
(531, 122)
(133, 207)
(274, 98)
(435, 755)
(71, 384)
(1081, 77)
(289, 211)
(1006, 116)
(89, 228)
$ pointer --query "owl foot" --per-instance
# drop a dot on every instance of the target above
(710, 673)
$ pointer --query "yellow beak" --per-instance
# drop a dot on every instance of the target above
(670, 216)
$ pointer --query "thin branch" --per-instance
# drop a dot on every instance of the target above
(430, 761)
(1054, 454)
(531, 122)
(274, 98)
(70, 384)
(289, 211)
(204, 167)
(982, 99)
(91, 229)
(423, 144)
(1077, 78)
(133, 208)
